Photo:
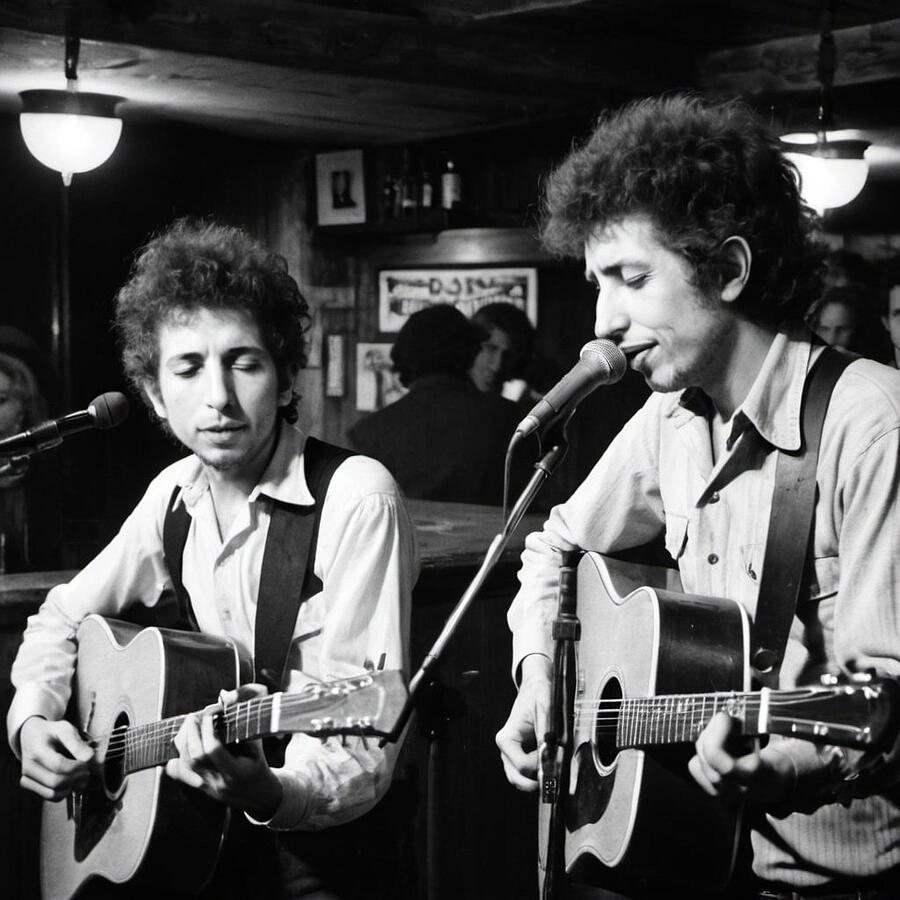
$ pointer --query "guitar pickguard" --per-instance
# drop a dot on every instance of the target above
(93, 813)
(591, 792)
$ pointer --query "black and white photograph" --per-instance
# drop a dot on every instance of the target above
(450, 450)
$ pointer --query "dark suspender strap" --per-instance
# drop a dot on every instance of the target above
(175, 530)
(287, 579)
(790, 523)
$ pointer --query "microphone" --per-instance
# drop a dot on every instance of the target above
(600, 362)
(105, 411)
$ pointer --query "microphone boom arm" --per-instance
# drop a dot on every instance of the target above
(544, 468)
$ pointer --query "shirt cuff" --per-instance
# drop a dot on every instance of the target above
(295, 794)
(29, 700)
(820, 773)
(524, 644)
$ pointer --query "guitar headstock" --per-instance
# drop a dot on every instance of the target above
(367, 705)
(858, 711)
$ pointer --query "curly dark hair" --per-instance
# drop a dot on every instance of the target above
(200, 264)
(700, 171)
(437, 340)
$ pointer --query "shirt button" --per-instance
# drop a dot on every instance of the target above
(712, 559)
(714, 497)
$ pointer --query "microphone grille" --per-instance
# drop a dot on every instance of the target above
(109, 410)
(605, 357)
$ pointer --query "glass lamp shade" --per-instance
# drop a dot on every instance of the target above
(68, 131)
(832, 172)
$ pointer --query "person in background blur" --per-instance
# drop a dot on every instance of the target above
(835, 316)
(506, 351)
(890, 308)
(846, 317)
(29, 509)
(444, 440)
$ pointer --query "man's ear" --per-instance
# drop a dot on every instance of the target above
(151, 389)
(736, 260)
(286, 388)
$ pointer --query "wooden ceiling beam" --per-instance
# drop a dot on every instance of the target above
(351, 41)
(865, 54)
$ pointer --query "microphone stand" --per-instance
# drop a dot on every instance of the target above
(424, 690)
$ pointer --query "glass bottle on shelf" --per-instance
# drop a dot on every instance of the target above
(388, 197)
(426, 187)
(408, 189)
(451, 185)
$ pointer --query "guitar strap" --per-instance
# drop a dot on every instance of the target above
(288, 561)
(790, 523)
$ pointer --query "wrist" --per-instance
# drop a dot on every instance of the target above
(535, 667)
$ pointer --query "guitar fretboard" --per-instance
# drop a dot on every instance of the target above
(678, 718)
(153, 744)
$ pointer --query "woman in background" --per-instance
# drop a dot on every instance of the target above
(29, 514)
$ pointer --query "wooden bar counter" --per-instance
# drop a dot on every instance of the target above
(484, 830)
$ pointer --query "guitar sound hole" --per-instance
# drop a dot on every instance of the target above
(114, 763)
(606, 722)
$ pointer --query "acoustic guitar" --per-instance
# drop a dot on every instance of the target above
(654, 665)
(132, 689)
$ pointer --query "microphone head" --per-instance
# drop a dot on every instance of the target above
(604, 357)
(108, 410)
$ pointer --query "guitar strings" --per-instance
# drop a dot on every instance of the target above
(147, 735)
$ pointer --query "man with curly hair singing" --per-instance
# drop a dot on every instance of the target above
(211, 326)
(692, 230)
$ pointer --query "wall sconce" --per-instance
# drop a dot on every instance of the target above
(832, 169)
(70, 131)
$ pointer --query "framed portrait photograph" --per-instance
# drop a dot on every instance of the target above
(340, 188)
(401, 292)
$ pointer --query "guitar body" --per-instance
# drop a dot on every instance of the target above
(636, 817)
(143, 826)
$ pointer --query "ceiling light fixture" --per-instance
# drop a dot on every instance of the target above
(832, 169)
(70, 131)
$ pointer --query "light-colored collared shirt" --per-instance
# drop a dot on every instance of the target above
(367, 561)
(660, 473)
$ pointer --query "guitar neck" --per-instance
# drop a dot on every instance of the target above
(852, 716)
(679, 718)
(153, 744)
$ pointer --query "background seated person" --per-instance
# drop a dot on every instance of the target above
(445, 439)
(30, 507)
(890, 308)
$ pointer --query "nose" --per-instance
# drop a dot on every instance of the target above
(218, 387)
(610, 318)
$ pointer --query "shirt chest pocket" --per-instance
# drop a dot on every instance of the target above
(676, 534)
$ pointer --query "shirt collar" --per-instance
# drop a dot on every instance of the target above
(773, 404)
(284, 478)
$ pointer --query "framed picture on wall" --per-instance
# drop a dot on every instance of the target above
(401, 292)
(334, 371)
(340, 187)
(377, 384)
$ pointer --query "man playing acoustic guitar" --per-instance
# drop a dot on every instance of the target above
(211, 327)
(692, 230)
